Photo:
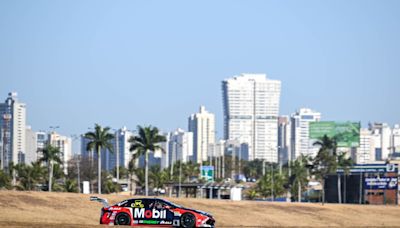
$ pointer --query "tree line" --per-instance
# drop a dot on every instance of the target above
(270, 180)
(296, 174)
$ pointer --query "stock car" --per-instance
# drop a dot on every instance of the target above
(152, 212)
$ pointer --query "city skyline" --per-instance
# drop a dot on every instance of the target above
(157, 68)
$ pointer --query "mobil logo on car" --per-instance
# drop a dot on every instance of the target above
(154, 214)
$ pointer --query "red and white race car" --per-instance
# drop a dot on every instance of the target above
(152, 212)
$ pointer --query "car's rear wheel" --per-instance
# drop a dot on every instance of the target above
(122, 219)
(188, 220)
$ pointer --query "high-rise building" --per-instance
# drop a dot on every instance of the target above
(382, 135)
(396, 140)
(202, 125)
(300, 140)
(41, 141)
(180, 146)
(365, 153)
(124, 145)
(120, 144)
(64, 144)
(284, 133)
(165, 156)
(251, 108)
(31, 150)
(12, 130)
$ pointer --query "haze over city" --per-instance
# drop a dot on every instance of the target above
(127, 63)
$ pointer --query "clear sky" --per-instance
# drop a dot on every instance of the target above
(124, 63)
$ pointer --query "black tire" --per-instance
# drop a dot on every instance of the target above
(122, 219)
(188, 220)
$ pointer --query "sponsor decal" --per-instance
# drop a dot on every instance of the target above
(150, 222)
(115, 208)
(163, 222)
(123, 202)
(137, 204)
(155, 214)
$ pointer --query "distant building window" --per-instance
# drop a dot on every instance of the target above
(307, 117)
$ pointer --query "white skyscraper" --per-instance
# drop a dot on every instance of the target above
(165, 158)
(396, 139)
(382, 136)
(251, 108)
(300, 124)
(31, 150)
(64, 144)
(202, 125)
(365, 153)
(180, 146)
(12, 130)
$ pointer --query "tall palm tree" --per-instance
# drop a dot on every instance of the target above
(345, 164)
(299, 174)
(147, 141)
(98, 139)
(325, 162)
(51, 156)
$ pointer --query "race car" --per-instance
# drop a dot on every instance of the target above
(152, 212)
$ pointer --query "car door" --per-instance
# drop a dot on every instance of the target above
(163, 213)
(142, 210)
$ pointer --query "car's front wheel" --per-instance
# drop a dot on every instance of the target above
(122, 219)
(188, 220)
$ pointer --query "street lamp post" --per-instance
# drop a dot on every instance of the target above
(53, 128)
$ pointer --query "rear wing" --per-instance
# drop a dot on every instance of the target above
(101, 200)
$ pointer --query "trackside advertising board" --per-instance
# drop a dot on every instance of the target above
(207, 172)
(377, 182)
(347, 134)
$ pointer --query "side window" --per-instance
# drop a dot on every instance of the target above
(161, 205)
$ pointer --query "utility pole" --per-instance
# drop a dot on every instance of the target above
(272, 185)
(79, 174)
(180, 168)
(117, 151)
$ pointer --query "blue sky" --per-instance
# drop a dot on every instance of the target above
(124, 63)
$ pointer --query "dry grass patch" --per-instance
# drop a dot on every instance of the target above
(42, 209)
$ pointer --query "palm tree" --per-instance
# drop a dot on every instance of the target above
(252, 194)
(325, 163)
(299, 175)
(190, 170)
(29, 175)
(345, 164)
(98, 139)
(51, 155)
(158, 177)
(71, 185)
(147, 141)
